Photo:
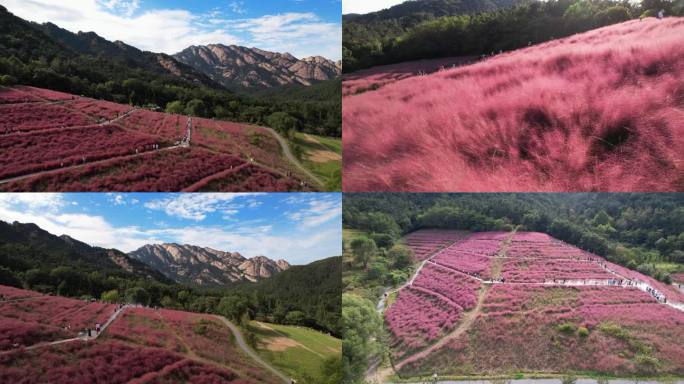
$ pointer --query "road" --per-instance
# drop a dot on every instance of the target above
(249, 351)
(286, 150)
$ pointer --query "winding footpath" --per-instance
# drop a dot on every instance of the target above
(249, 351)
(288, 154)
(373, 373)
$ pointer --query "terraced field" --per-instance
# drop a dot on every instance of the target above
(52, 141)
(496, 303)
(45, 339)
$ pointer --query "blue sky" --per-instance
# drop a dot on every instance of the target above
(300, 27)
(297, 227)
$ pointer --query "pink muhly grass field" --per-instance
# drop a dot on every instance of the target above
(519, 331)
(598, 111)
(78, 362)
(373, 78)
(457, 287)
(425, 242)
(36, 116)
(418, 317)
(11, 293)
(545, 269)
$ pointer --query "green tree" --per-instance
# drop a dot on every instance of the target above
(8, 278)
(111, 296)
(282, 122)
(401, 256)
(331, 370)
(295, 318)
(196, 107)
(362, 331)
(137, 295)
(176, 107)
(7, 80)
(363, 249)
(232, 306)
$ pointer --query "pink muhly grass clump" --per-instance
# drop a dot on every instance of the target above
(598, 111)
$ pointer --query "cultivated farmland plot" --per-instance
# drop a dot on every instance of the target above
(52, 141)
(39, 343)
(597, 111)
(497, 303)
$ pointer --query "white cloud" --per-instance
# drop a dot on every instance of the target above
(91, 229)
(318, 212)
(196, 206)
(366, 6)
(127, 7)
(162, 30)
(33, 201)
(252, 242)
(248, 238)
(172, 30)
(237, 7)
(296, 33)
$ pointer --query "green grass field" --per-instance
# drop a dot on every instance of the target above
(297, 351)
(314, 158)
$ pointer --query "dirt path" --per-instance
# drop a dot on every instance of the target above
(375, 374)
(288, 154)
(389, 291)
(55, 170)
(195, 186)
(250, 352)
(466, 321)
(469, 316)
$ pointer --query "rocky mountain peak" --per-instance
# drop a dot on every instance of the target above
(235, 66)
(206, 266)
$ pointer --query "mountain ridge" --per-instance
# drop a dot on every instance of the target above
(19, 241)
(191, 264)
(233, 65)
(91, 43)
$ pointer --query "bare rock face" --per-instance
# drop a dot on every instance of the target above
(206, 266)
(234, 66)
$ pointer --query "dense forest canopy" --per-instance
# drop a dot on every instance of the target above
(442, 28)
(32, 258)
(85, 64)
(639, 231)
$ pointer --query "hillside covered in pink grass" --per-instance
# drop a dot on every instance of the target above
(598, 111)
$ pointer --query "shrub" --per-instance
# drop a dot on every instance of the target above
(567, 328)
(582, 332)
(200, 328)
